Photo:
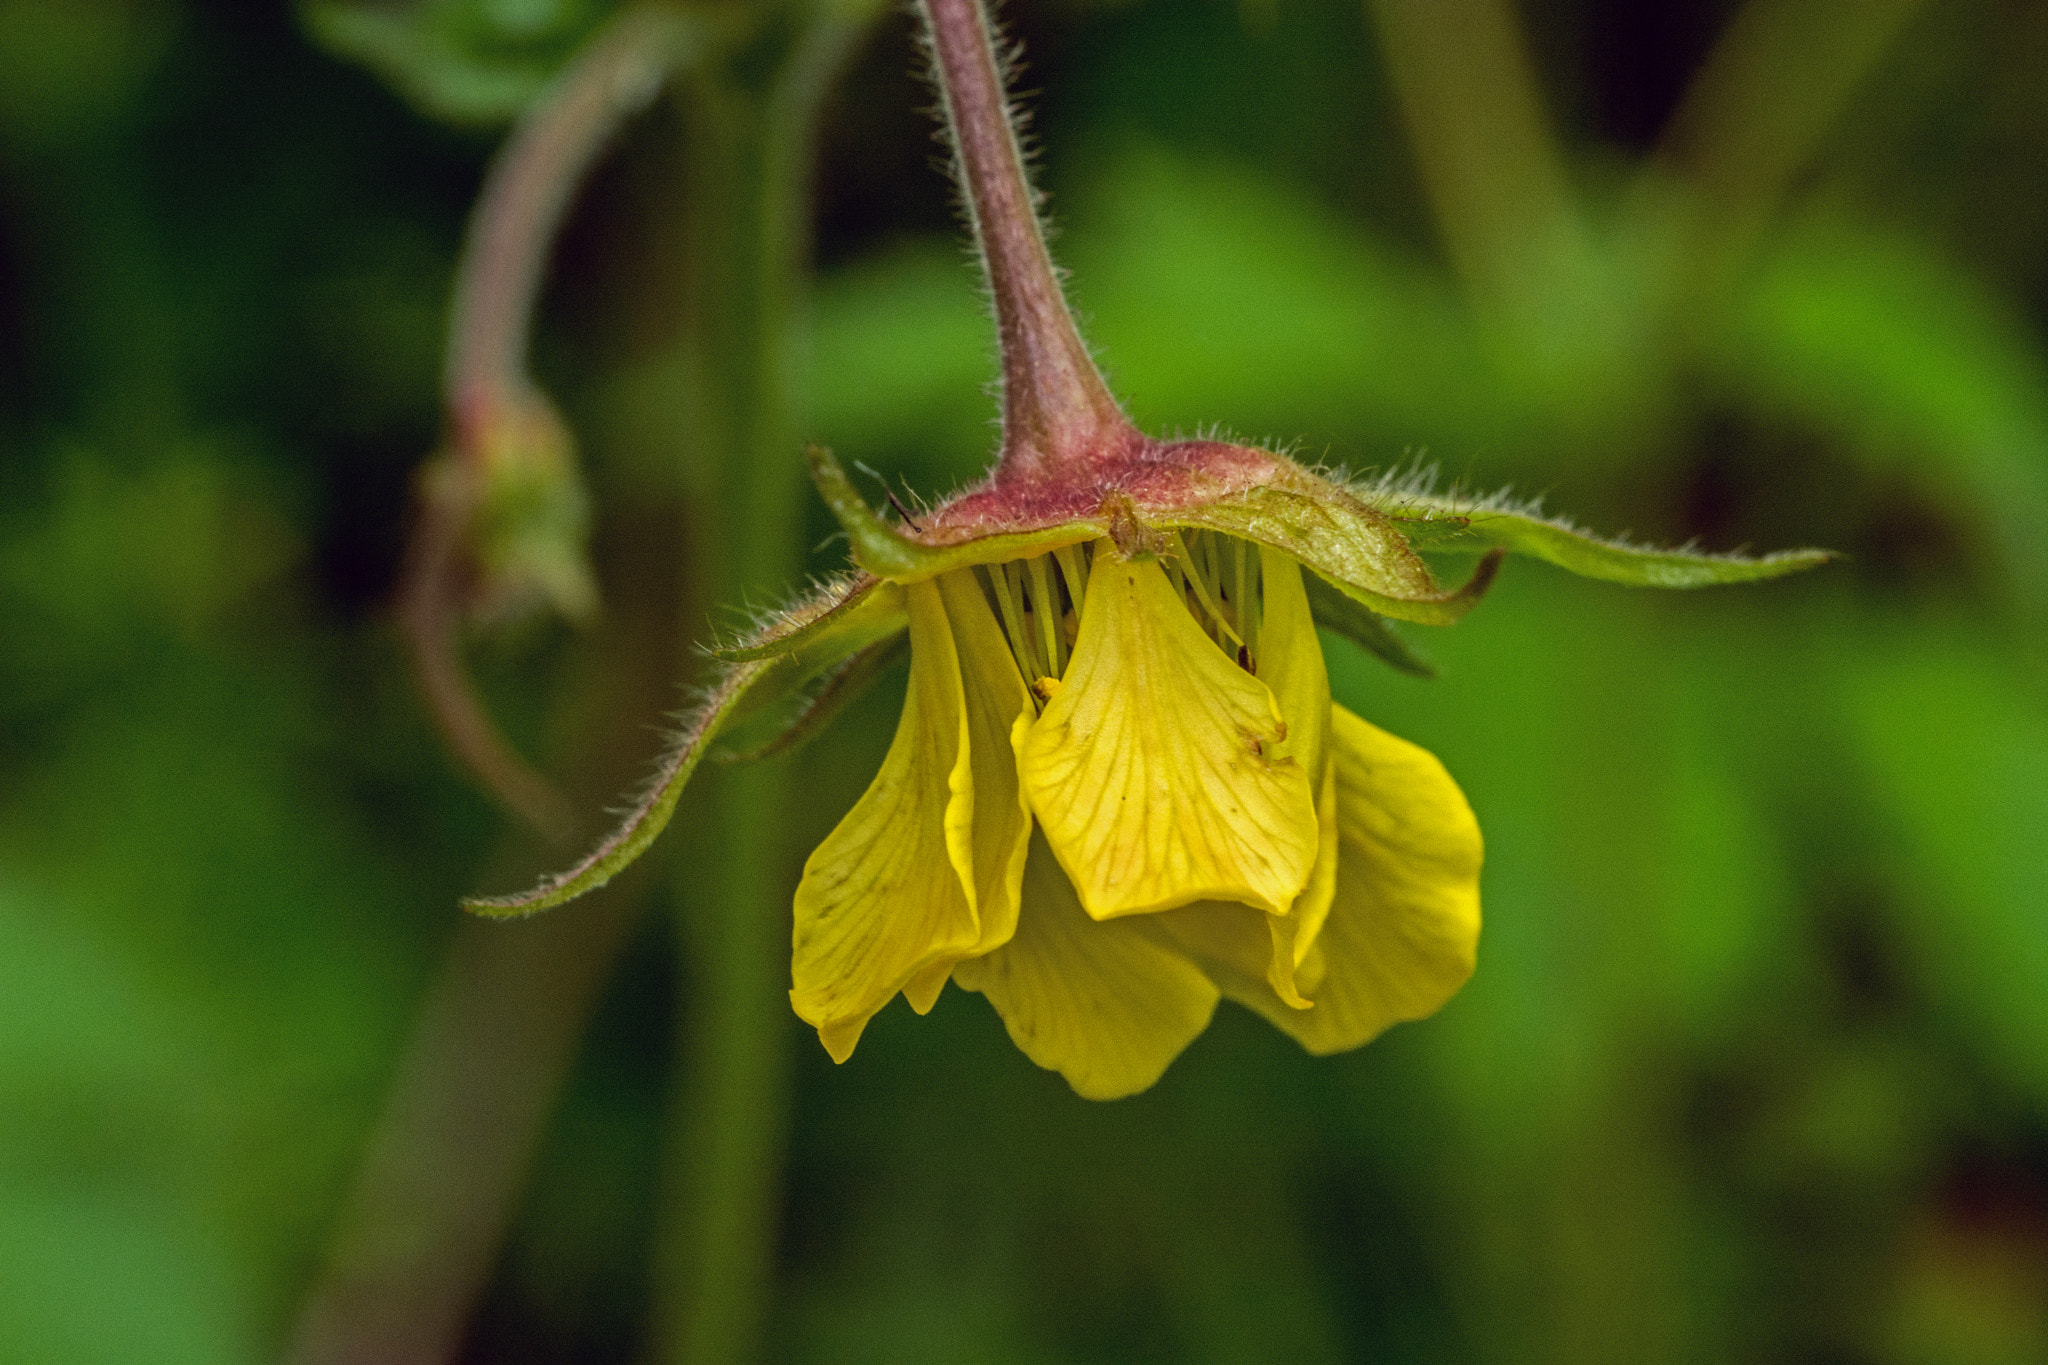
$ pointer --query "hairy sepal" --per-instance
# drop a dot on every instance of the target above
(812, 658)
(842, 618)
(1433, 521)
(1347, 543)
(822, 637)
(650, 814)
(811, 709)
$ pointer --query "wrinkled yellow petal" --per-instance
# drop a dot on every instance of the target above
(1403, 924)
(1291, 664)
(997, 703)
(1250, 946)
(1245, 946)
(891, 897)
(1302, 925)
(922, 990)
(1107, 1005)
(1151, 770)
(1235, 945)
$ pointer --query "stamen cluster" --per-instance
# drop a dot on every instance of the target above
(1039, 601)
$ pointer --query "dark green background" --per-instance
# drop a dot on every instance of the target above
(1755, 1064)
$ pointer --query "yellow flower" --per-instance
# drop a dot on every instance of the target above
(1119, 791)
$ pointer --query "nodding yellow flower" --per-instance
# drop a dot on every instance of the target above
(1119, 791)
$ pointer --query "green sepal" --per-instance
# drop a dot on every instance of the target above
(860, 612)
(1334, 610)
(887, 553)
(802, 648)
(1434, 522)
(835, 625)
(816, 709)
(650, 814)
(1351, 545)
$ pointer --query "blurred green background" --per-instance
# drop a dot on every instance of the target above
(1755, 1064)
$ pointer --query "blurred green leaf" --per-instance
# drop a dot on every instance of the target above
(70, 69)
(1912, 365)
(464, 61)
(902, 361)
(1955, 741)
(1217, 297)
(180, 1297)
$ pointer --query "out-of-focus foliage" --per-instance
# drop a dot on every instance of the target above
(1755, 1065)
(469, 61)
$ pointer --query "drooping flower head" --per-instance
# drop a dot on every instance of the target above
(1119, 789)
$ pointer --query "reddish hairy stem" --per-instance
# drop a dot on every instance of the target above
(1057, 412)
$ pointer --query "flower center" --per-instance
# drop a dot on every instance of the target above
(1039, 601)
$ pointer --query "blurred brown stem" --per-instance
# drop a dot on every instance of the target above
(522, 202)
(498, 1029)
(429, 606)
(493, 406)
(488, 1054)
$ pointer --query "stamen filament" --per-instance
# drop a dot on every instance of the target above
(1074, 567)
(1194, 578)
(1237, 593)
(1252, 620)
(1212, 554)
(1046, 602)
(1013, 618)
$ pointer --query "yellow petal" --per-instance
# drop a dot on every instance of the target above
(1403, 924)
(988, 835)
(1234, 944)
(1248, 947)
(1244, 947)
(1107, 1005)
(922, 990)
(889, 897)
(1151, 769)
(1291, 664)
(1304, 922)
(1246, 943)
(997, 703)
